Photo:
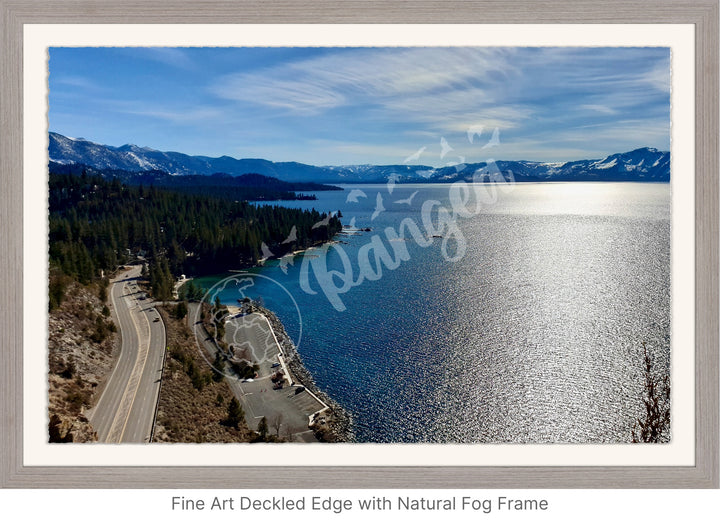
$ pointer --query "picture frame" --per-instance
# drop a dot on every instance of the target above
(703, 14)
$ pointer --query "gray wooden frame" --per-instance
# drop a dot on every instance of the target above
(702, 13)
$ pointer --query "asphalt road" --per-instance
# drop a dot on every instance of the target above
(126, 409)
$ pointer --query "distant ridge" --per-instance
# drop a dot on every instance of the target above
(640, 165)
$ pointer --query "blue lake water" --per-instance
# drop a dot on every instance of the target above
(523, 325)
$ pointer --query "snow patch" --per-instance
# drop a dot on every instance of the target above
(602, 165)
(140, 161)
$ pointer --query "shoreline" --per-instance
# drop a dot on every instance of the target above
(333, 424)
(338, 422)
(292, 254)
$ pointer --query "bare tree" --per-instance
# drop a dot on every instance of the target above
(654, 427)
(277, 423)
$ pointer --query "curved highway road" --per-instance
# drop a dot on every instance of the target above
(126, 409)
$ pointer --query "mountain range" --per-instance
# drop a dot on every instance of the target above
(640, 165)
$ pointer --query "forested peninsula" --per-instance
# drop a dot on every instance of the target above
(97, 224)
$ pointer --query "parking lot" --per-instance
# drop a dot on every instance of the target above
(252, 339)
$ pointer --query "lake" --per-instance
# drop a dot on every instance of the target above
(516, 317)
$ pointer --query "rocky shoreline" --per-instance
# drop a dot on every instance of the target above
(337, 426)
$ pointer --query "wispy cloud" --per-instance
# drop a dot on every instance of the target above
(170, 56)
(641, 132)
(599, 108)
(658, 76)
(366, 105)
(378, 77)
(75, 82)
(179, 116)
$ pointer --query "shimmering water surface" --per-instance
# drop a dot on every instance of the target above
(533, 335)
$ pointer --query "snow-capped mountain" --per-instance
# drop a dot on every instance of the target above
(644, 164)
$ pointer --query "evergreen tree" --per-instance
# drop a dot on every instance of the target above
(94, 224)
(235, 413)
(263, 428)
(218, 367)
(181, 310)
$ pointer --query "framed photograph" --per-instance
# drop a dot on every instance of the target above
(467, 245)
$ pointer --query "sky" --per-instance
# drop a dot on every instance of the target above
(337, 106)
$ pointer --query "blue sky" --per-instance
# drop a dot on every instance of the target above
(335, 106)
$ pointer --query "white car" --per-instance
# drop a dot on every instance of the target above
(248, 380)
